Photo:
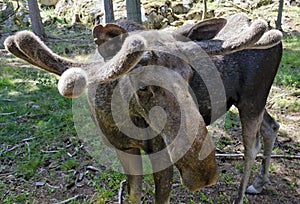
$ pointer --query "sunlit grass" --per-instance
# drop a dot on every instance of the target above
(289, 71)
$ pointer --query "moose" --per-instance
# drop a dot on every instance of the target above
(246, 56)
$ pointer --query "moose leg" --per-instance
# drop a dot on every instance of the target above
(163, 175)
(135, 188)
(250, 128)
(133, 169)
(268, 130)
(163, 184)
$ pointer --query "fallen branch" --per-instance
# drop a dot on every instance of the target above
(5, 114)
(20, 119)
(239, 156)
(175, 185)
(6, 100)
(28, 149)
(281, 95)
(68, 200)
(238, 7)
(15, 147)
(92, 168)
(28, 139)
(6, 193)
(49, 152)
(25, 141)
(8, 15)
(75, 152)
(4, 124)
(55, 187)
(121, 191)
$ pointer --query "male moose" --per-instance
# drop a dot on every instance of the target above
(246, 56)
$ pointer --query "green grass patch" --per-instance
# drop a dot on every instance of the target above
(289, 71)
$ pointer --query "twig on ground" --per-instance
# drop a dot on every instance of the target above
(6, 193)
(49, 152)
(274, 98)
(15, 147)
(4, 124)
(93, 168)
(241, 156)
(10, 113)
(28, 149)
(39, 183)
(28, 139)
(6, 100)
(238, 7)
(121, 191)
(25, 141)
(20, 119)
(68, 200)
(55, 187)
(5, 174)
(175, 185)
(75, 152)
(4, 18)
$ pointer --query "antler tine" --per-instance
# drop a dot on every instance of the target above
(244, 40)
(269, 39)
(11, 46)
(236, 24)
(76, 76)
(73, 81)
(36, 51)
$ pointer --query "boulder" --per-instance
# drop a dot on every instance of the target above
(48, 2)
(180, 8)
(84, 11)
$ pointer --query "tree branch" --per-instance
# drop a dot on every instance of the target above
(241, 156)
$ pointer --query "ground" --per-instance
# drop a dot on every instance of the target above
(44, 161)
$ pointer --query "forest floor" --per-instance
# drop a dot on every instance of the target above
(42, 159)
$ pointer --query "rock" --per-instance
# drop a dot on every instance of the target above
(85, 11)
(21, 18)
(180, 8)
(196, 15)
(177, 23)
(155, 20)
(6, 10)
(48, 2)
(294, 2)
(39, 183)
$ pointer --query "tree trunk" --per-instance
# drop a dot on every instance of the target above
(109, 11)
(36, 20)
(204, 11)
(279, 16)
(133, 8)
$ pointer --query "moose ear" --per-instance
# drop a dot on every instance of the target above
(205, 30)
(103, 34)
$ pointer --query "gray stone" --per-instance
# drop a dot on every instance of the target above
(48, 2)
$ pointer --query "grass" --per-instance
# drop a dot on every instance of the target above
(289, 71)
(35, 119)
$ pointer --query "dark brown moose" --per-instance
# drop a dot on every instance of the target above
(246, 56)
